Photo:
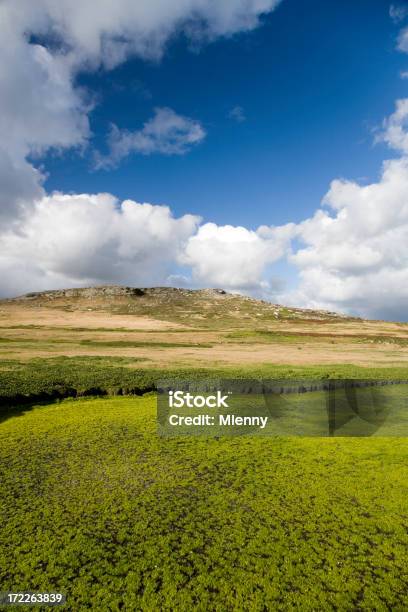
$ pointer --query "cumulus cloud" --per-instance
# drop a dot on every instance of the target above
(89, 239)
(235, 258)
(394, 128)
(39, 110)
(166, 132)
(45, 44)
(79, 240)
(354, 255)
(113, 30)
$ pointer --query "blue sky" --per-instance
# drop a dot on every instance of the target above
(256, 145)
(313, 82)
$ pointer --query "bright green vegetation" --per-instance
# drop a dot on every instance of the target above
(39, 379)
(94, 504)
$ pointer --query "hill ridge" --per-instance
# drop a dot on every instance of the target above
(197, 300)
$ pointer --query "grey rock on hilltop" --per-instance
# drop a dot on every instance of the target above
(85, 292)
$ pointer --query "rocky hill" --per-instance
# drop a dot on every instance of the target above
(165, 327)
(172, 304)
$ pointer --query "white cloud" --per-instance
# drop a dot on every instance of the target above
(394, 128)
(235, 258)
(403, 40)
(87, 239)
(355, 257)
(398, 13)
(353, 253)
(166, 132)
(91, 239)
(114, 29)
(41, 107)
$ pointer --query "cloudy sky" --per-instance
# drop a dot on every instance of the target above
(256, 145)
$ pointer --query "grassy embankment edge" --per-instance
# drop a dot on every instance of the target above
(43, 380)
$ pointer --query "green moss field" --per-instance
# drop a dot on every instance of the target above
(95, 505)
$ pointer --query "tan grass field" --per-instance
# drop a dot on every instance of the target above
(170, 327)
